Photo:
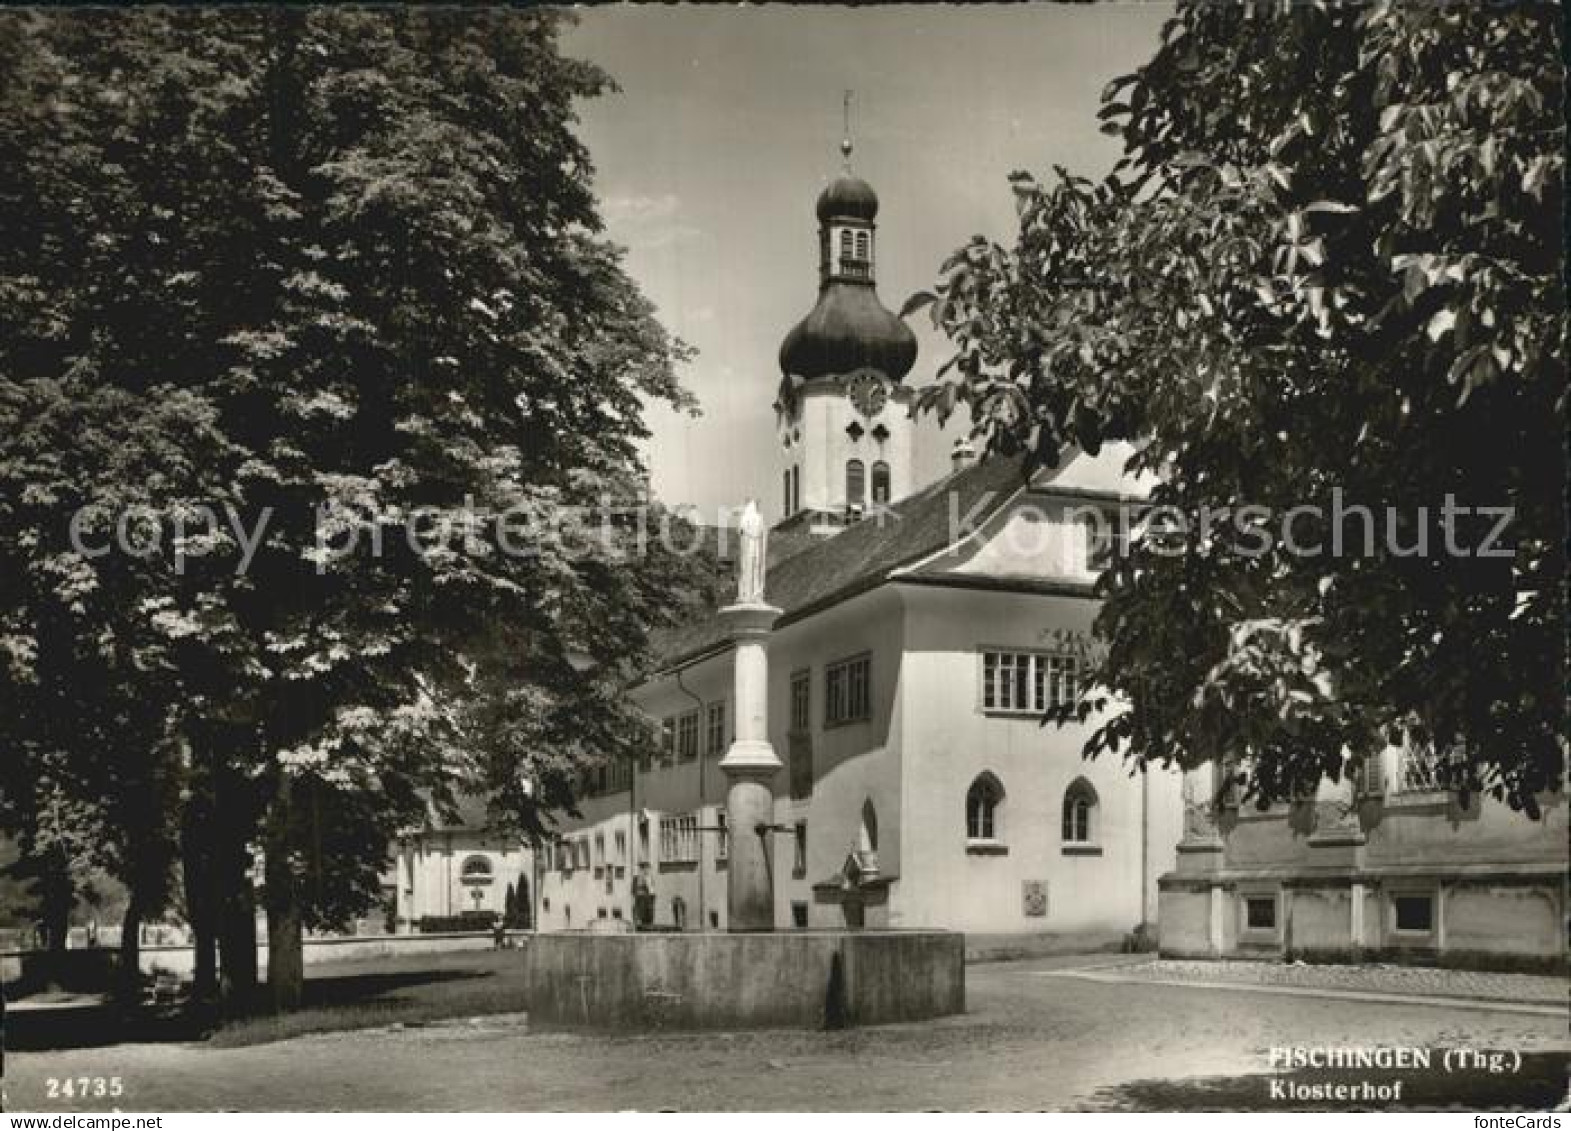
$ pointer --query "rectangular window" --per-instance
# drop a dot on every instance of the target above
(600, 850)
(1260, 913)
(687, 737)
(714, 730)
(1028, 683)
(1414, 913)
(722, 836)
(799, 857)
(679, 840)
(619, 845)
(799, 914)
(801, 701)
(668, 742)
(847, 691)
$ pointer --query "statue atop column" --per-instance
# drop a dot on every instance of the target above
(754, 537)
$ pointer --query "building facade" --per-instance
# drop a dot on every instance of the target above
(1391, 867)
(925, 629)
(460, 874)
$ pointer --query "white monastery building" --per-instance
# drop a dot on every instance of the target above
(925, 627)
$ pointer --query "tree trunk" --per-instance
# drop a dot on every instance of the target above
(285, 937)
(196, 860)
(128, 974)
(235, 914)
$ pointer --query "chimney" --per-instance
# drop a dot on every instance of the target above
(963, 455)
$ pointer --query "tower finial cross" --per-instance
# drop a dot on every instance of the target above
(845, 140)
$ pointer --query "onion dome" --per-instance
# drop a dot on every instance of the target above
(847, 331)
(848, 198)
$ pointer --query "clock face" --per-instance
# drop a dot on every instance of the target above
(869, 394)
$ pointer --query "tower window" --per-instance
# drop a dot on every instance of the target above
(880, 482)
(862, 246)
(845, 243)
(856, 483)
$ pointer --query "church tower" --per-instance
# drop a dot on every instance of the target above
(845, 434)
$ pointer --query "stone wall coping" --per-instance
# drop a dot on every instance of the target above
(406, 939)
(1299, 876)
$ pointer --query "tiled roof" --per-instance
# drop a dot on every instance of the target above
(804, 579)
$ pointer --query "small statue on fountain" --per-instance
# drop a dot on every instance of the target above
(754, 537)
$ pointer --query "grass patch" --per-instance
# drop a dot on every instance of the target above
(415, 990)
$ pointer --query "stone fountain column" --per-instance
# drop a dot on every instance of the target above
(750, 764)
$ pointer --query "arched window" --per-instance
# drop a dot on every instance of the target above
(856, 483)
(845, 244)
(476, 870)
(880, 482)
(982, 803)
(1079, 813)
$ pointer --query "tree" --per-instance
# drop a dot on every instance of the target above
(1327, 272)
(360, 248)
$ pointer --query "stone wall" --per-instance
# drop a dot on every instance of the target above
(88, 970)
(1507, 919)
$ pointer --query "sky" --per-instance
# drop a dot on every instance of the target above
(727, 126)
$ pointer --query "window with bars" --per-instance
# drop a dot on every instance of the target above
(1420, 768)
(1028, 682)
(801, 701)
(687, 737)
(847, 691)
(679, 839)
(714, 729)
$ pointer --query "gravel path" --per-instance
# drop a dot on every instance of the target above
(1480, 985)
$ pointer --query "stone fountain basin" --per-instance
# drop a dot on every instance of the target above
(795, 979)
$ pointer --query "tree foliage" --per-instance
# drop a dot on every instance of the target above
(337, 276)
(1327, 268)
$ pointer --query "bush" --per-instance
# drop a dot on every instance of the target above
(464, 921)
